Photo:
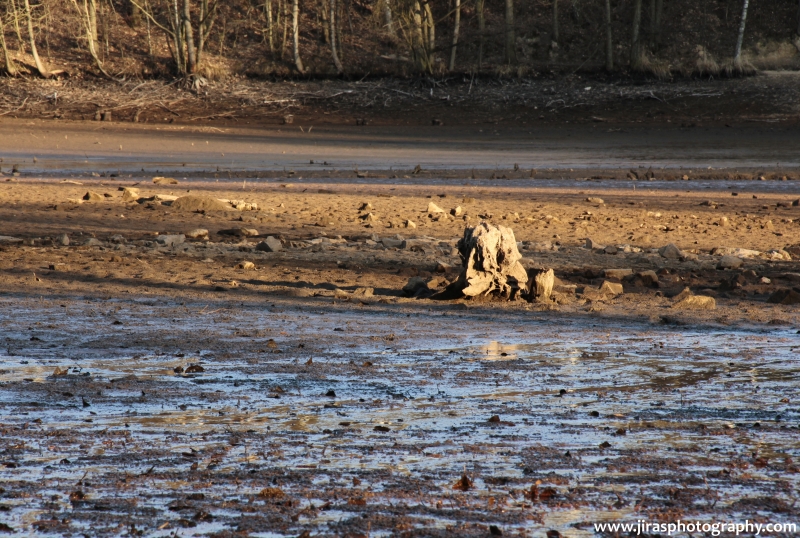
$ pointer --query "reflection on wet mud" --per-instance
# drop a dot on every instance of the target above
(367, 430)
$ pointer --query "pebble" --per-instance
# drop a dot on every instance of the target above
(170, 240)
(729, 262)
(270, 244)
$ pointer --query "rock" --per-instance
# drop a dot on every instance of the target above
(8, 240)
(648, 278)
(368, 217)
(433, 208)
(93, 242)
(270, 244)
(765, 280)
(540, 285)
(670, 252)
(696, 302)
(92, 196)
(364, 292)
(129, 194)
(729, 262)
(415, 286)
(611, 249)
(246, 266)
(723, 221)
(410, 224)
(617, 274)
(165, 180)
(169, 198)
(443, 267)
(170, 240)
(593, 245)
(611, 288)
(784, 296)
(738, 252)
(595, 200)
(365, 206)
(778, 255)
(117, 239)
(768, 226)
(709, 203)
(393, 243)
(199, 203)
(239, 232)
(491, 262)
(457, 211)
(62, 240)
(197, 233)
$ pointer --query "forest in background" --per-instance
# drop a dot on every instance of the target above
(217, 39)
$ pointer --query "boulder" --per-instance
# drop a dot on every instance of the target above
(270, 244)
(491, 262)
(199, 203)
(670, 252)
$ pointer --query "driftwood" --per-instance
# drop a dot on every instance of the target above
(491, 262)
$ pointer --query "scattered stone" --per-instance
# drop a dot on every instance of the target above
(165, 180)
(93, 242)
(364, 292)
(130, 194)
(167, 199)
(593, 245)
(768, 226)
(92, 196)
(199, 203)
(491, 262)
(765, 280)
(457, 211)
(617, 274)
(239, 232)
(415, 286)
(270, 244)
(595, 200)
(540, 285)
(366, 206)
(246, 266)
(723, 221)
(696, 302)
(8, 240)
(442, 267)
(710, 203)
(648, 278)
(785, 296)
(388, 242)
(170, 240)
(117, 239)
(670, 252)
(369, 217)
(433, 208)
(197, 233)
(730, 262)
(410, 224)
(778, 255)
(738, 252)
(611, 249)
(611, 288)
(63, 240)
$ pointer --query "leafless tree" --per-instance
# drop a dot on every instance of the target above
(511, 40)
(737, 57)
(456, 28)
(40, 67)
(11, 70)
(333, 36)
(298, 62)
(479, 7)
(636, 45)
(609, 39)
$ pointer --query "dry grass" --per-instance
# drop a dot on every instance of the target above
(774, 55)
(738, 67)
(654, 67)
(706, 65)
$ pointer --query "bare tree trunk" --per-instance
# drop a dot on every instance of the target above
(554, 38)
(456, 28)
(609, 39)
(636, 49)
(298, 63)
(326, 25)
(9, 64)
(388, 21)
(270, 36)
(20, 41)
(335, 55)
(430, 35)
(419, 38)
(511, 41)
(659, 14)
(285, 15)
(481, 30)
(39, 65)
(207, 19)
(191, 57)
(740, 38)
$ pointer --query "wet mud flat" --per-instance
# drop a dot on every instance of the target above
(135, 415)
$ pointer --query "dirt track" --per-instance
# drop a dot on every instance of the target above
(329, 404)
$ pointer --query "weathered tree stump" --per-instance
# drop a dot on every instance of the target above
(491, 262)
